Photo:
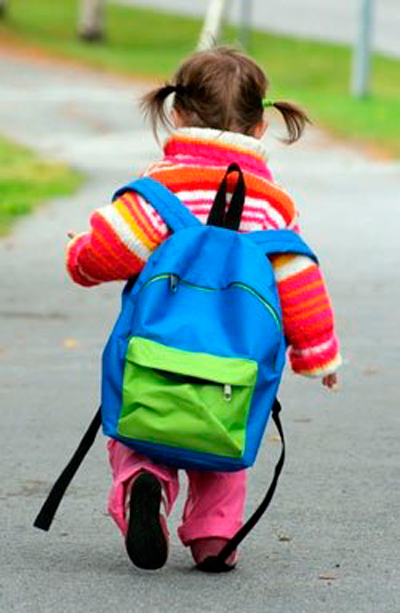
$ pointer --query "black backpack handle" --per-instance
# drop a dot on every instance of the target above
(221, 216)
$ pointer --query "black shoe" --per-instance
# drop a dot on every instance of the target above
(146, 541)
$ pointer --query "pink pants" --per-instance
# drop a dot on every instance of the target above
(215, 501)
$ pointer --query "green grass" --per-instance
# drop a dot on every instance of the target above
(148, 43)
(26, 181)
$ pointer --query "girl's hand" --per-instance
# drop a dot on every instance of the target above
(330, 381)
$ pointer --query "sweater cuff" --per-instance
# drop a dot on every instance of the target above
(74, 249)
(317, 361)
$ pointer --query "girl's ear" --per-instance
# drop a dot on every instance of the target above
(260, 129)
(176, 119)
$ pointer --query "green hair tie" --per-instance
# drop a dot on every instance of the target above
(267, 103)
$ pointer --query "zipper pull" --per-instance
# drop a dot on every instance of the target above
(173, 283)
(228, 392)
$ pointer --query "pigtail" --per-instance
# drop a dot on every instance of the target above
(152, 105)
(222, 89)
(295, 119)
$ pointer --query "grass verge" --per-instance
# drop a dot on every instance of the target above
(26, 181)
(149, 43)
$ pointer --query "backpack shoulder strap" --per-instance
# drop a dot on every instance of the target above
(282, 241)
(175, 214)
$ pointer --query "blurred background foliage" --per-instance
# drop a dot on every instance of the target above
(149, 44)
(26, 181)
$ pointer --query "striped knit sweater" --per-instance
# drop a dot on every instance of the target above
(125, 233)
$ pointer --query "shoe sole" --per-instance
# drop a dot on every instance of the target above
(146, 543)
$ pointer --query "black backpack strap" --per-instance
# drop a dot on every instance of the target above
(221, 216)
(216, 564)
(50, 506)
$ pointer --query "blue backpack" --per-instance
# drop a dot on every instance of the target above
(192, 367)
(193, 364)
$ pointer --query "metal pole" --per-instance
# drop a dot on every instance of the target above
(212, 25)
(362, 52)
(245, 22)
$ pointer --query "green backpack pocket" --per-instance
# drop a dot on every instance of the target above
(189, 400)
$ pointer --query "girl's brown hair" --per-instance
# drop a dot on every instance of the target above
(220, 88)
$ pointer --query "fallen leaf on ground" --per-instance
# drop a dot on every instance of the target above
(327, 577)
(70, 343)
(284, 539)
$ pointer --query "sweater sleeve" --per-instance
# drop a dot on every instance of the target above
(307, 316)
(122, 237)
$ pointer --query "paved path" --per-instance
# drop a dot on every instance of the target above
(330, 541)
(333, 20)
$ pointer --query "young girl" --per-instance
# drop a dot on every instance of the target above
(218, 115)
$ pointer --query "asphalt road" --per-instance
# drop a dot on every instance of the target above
(330, 543)
(330, 20)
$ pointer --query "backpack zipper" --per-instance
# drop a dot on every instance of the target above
(244, 287)
(228, 392)
(175, 281)
(267, 305)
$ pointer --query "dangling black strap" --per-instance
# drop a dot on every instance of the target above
(219, 215)
(217, 563)
(50, 506)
